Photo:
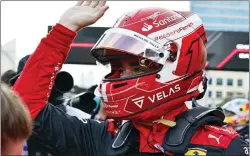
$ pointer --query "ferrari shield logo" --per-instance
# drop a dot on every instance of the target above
(196, 152)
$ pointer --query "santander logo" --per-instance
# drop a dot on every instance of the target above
(146, 27)
(166, 20)
(156, 23)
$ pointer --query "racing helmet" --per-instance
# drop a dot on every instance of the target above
(156, 59)
(237, 113)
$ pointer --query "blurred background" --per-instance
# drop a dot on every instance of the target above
(24, 23)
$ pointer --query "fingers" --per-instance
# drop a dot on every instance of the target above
(93, 4)
(86, 3)
(79, 3)
(101, 11)
(100, 4)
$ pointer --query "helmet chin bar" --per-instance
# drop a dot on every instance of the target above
(179, 100)
(165, 102)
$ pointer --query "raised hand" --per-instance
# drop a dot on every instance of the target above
(83, 14)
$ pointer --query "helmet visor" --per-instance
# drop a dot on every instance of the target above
(123, 43)
(127, 66)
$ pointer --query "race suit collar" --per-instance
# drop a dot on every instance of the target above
(152, 134)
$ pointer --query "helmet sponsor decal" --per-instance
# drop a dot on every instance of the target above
(146, 27)
(166, 20)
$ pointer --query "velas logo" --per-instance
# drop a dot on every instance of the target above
(139, 101)
(146, 27)
(156, 97)
(166, 20)
(164, 94)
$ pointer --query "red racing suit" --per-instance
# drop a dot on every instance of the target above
(61, 134)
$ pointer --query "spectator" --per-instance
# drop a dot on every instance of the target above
(20, 67)
(16, 122)
(7, 76)
(237, 116)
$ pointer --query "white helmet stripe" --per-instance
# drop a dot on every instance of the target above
(104, 95)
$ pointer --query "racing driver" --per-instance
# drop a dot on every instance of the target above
(156, 58)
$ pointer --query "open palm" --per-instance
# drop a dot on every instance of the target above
(83, 14)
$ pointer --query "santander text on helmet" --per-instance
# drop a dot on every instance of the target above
(166, 20)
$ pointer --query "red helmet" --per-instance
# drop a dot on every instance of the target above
(157, 59)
